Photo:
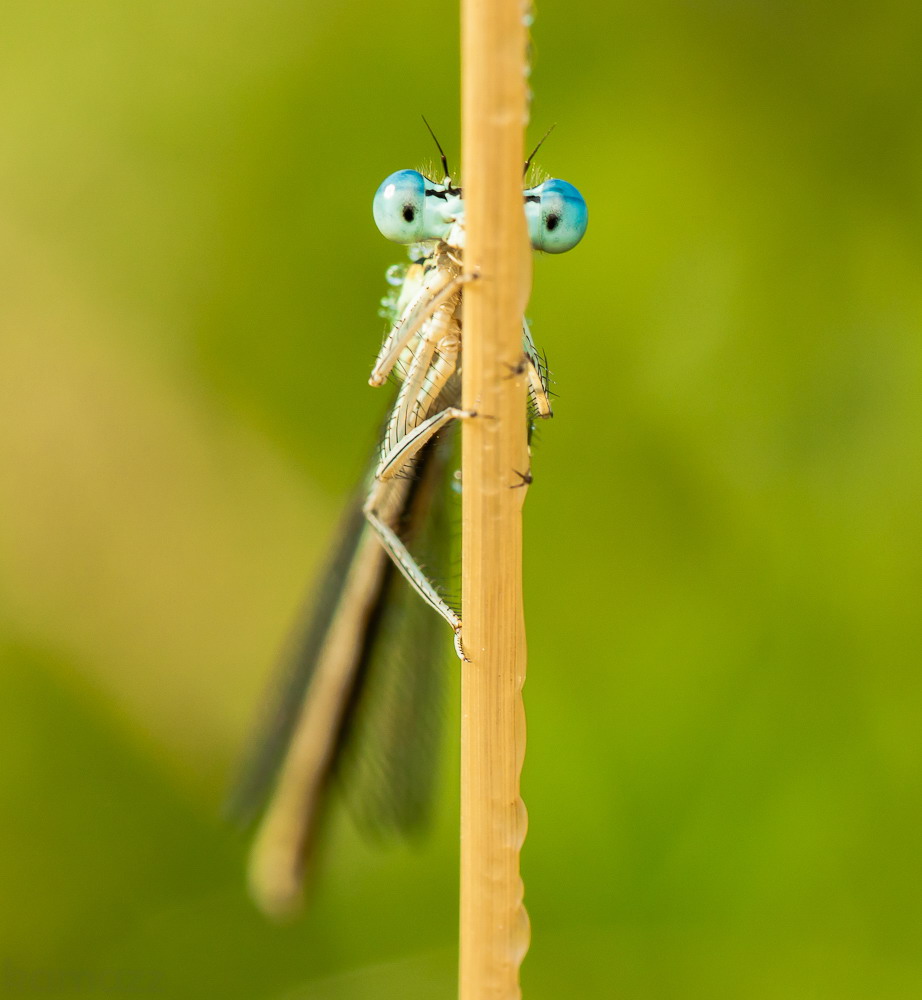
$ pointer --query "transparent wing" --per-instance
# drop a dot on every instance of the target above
(383, 744)
(389, 764)
(282, 705)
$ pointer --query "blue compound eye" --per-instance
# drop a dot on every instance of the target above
(557, 216)
(398, 207)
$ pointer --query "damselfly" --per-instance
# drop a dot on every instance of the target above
(360, 671)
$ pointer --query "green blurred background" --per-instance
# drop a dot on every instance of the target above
(723, 549)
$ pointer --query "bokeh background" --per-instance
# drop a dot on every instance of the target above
(724, 564)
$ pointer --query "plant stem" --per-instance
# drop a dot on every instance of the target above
(494, 925)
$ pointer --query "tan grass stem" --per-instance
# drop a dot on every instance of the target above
(494, 925)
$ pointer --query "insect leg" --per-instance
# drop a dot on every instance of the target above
(436, 290)
(380, 499)
(396, 458)
(537, 383)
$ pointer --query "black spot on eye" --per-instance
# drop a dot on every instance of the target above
(553, 221)
(409, 213)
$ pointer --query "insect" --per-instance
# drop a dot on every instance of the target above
(361, 675)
